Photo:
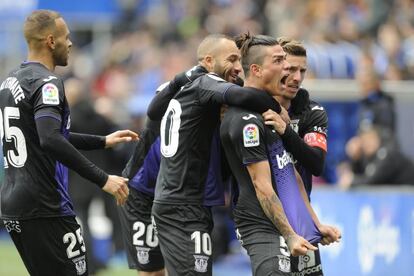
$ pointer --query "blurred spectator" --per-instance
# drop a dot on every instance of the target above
(81, 192)
(375, 159)
(377, 108)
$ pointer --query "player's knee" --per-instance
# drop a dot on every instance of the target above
(152, 273)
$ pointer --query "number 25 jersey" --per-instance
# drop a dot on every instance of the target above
(35, 185)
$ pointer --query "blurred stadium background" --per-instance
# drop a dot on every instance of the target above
(124, 49)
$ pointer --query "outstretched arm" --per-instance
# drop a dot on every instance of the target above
(53, 142)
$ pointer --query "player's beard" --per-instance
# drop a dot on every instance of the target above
(60, 56)
(220, 70)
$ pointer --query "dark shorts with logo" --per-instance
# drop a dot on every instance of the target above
(268, 252)
(184, 232)
(308, 265)
(49, 246)
(141, 242)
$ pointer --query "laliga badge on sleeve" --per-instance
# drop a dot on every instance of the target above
(251, 136)
(50, 94)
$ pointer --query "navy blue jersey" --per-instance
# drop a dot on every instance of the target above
(247, 140)
(35, 184)
(310, 121)
(143, 167)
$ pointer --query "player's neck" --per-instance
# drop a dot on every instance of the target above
(283, 102)
(46, 60)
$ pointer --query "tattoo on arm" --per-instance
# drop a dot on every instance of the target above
(273, 209)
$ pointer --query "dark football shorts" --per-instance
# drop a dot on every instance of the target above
(307, 265)
(184, 232)
(49, 246)
(268, 252)
(141, 242)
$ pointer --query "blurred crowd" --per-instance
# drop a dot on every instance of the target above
(151, 41)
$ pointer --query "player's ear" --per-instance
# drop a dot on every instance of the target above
(50, 41)
(209, 62)
(256, 70)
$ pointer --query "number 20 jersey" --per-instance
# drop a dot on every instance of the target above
(187, 130)
(35, 185)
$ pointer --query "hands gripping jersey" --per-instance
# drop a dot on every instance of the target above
(35, 185)
(246, 140)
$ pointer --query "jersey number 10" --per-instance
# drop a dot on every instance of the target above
(16, 158)
(170, 125)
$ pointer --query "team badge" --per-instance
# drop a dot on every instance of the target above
(284, 263)
(80, 264)
(50, 94)
(294, 124)
(143, 255)
(200, 263)
(251, 136)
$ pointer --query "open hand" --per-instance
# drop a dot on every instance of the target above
(120, 136)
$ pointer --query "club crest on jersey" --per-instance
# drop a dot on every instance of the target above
(251, 136)
(284, 263)
(80, 264)
(143, 255)
(200, 263)
(50, 94)
(294, 124)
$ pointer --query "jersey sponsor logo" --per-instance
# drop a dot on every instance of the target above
(143, 254)
(284, 159)
(50, 94)
(315, 139)
(215, 77)
(200, 263)
(306, 261)
(317, 107)
(308, 271)
(49, 78)
(12, 225)
(294, 124)
(13, 85)
(248, 117)
(251, 136)
(284, 263)
(80, 264)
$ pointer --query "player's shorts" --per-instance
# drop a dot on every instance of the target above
(141, 243)
(307, 265)
(268, 252)
(184, 232)
(49, 246)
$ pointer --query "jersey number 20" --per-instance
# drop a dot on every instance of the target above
(13, 135)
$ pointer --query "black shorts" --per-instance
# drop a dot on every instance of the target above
(268, 252)
(307, 265)
(184, 232)
(49, 246)
(140, 241)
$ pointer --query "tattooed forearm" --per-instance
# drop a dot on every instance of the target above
(273, 209)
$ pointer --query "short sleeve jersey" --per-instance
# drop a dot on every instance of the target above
(186, 133)
(35, 185)
(247, 140)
